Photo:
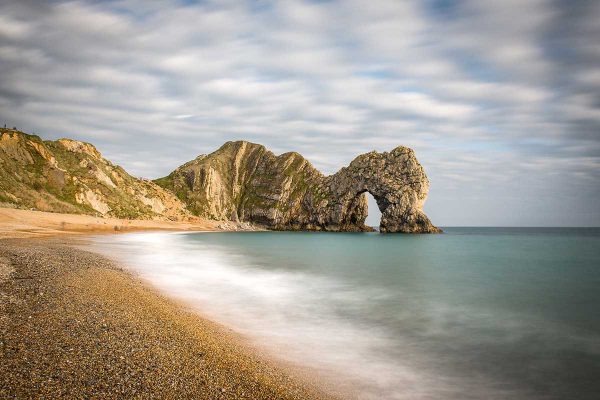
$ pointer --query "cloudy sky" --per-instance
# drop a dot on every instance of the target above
(500, 99)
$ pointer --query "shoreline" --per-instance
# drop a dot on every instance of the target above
(76, 323)
(17, 223)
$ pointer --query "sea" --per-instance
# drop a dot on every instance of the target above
(474, 313)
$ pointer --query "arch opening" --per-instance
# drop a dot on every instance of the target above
(373, 212)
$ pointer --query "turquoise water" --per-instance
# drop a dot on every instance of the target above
(475, 313)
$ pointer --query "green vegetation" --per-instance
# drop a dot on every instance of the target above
(165, 182)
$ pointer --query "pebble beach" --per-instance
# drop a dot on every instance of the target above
(74, 324)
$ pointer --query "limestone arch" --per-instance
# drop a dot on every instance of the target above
(398, 184)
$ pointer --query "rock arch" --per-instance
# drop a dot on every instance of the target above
(286, 192)
(397, 182)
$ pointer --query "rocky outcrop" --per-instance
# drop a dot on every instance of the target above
(239, 183)
(244, 181)
(397, 182)
(72, 177)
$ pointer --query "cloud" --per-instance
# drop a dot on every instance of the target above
(13, 29)
(486, 92)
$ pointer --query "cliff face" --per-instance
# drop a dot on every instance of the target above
(245, 181)
(72, 177)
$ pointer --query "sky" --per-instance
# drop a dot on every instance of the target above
(499, 99)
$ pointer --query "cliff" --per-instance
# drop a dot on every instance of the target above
(240, 182)
(244, 181)
(69, 176)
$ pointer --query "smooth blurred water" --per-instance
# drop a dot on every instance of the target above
(475, 313)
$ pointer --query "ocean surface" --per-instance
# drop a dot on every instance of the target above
(475, 313)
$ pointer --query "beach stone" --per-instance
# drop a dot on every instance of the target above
(53, 348)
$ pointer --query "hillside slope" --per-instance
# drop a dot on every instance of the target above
(69, 176)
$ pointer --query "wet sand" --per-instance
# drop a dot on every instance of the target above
(75, 325)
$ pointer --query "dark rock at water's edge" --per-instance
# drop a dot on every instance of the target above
(244, 181)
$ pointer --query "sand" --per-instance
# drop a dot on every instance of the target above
(16, 223)
(74, 324)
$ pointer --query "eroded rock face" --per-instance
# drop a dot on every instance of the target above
(397, 182)
(244, 181)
